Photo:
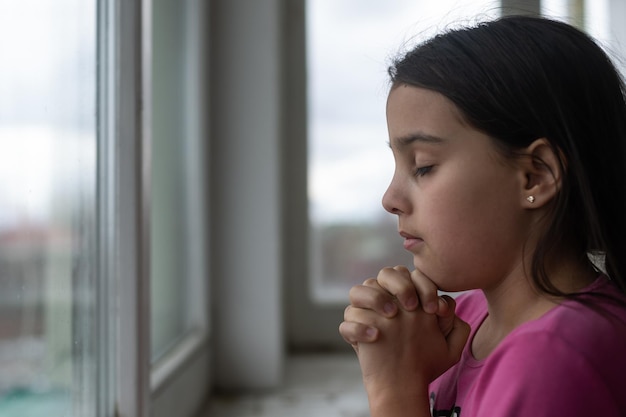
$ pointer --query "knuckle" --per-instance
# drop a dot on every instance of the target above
(355, 292)
(401, 268)
(389, 277)
(386, 271)
(370, 282)
(344, 331)
(350, 314)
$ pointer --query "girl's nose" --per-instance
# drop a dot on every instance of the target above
(394, 201)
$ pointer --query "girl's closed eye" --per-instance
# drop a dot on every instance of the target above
(421, 171)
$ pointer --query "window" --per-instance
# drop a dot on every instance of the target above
(48, 208)
(349, 47)
(75, 218)
(178, 269)
(178, 162)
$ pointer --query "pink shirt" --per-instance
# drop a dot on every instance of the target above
(570, 362)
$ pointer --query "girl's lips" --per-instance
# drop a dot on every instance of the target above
(411, 242)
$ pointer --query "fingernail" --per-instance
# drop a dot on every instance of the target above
(389, 308)
(411, 303)
(371, 332)
(430, 307)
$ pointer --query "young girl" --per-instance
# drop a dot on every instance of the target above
(509, 140)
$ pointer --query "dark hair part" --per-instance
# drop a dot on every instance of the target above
(519, 79)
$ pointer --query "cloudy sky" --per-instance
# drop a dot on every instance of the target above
(47, 104)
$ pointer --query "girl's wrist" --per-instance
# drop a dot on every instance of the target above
(406, 401)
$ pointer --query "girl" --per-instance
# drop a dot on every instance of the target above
(509, 140)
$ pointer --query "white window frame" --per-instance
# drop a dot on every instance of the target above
(123, 228)
(308, 324)
(132, 387)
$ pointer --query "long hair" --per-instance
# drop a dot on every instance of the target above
(518, 79)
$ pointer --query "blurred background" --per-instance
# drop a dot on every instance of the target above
(188, 189)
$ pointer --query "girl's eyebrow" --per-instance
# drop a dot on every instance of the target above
(405, 141)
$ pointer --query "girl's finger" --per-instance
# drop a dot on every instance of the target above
(426, 291)
(354, 333)
(397, 282)
(372, 296)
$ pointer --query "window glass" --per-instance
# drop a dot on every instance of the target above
(176, 211)
(349, 46)
(47, 207)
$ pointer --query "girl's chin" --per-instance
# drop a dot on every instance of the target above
(452, 288)
(442, 283)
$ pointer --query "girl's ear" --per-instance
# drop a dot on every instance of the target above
(542, 174)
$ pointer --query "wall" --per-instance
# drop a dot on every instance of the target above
(245, 198)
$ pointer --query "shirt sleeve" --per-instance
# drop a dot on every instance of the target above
(537, 374)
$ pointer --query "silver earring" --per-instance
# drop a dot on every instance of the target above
(531, 199)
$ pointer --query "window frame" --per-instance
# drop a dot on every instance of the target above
(122, 146)
(308, 324)
(128, 384)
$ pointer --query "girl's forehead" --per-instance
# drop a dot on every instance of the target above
(415, 111)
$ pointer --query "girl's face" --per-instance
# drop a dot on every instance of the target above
(459, 203)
